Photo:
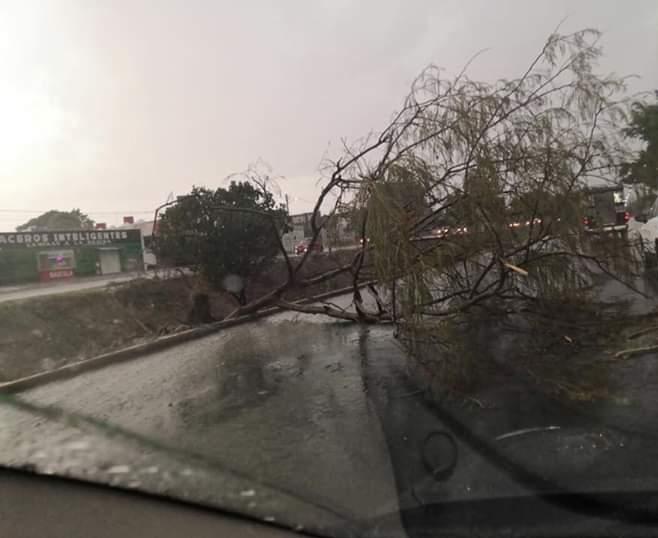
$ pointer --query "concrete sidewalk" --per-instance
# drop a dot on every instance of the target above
(17, 293)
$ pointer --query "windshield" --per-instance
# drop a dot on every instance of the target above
(352, 269)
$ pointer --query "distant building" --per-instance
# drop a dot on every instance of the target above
(54, 255)
(301, 223)
(299, 229)
(339, 230)
(336, 230)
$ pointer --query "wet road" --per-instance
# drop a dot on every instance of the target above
(280, 402)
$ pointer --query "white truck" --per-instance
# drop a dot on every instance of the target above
(645, 227)
(606, 210)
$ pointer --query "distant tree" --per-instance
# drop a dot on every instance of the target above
(643, 126)
(58, 220)
(226, 235)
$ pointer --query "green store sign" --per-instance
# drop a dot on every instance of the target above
(68, 238)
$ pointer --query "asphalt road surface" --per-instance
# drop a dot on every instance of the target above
(315, 423)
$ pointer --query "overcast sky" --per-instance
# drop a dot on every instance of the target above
(110, 106)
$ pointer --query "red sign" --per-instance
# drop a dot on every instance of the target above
(101, 226)
(129, 220)
(57, 274)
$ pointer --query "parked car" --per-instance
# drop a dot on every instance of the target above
(303, 247)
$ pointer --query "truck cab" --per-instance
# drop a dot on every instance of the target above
(606, 210)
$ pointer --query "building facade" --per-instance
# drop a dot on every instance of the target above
(53, 255)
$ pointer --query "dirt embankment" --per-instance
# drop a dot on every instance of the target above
(43, 333)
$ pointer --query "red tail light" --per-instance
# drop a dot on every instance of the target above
(586, 221)
(627, 216)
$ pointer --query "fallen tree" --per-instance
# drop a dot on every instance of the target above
(470, 202)
(472, 195)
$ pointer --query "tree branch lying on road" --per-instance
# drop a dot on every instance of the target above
(473, 195)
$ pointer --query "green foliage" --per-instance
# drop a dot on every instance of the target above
(503, 167)
(224, 232)
(643, 126)
(58, 220)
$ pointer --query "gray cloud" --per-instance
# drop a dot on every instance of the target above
(153, 96)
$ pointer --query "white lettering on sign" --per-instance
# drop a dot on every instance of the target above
(73, 238)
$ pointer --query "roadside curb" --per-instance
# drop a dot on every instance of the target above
(159, 344)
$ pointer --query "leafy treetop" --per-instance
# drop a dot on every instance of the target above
(230, 231)
(58, 220)
(643, 126)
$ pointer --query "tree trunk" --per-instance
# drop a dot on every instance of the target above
(200, 311)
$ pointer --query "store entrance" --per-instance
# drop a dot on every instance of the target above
(110, 261)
